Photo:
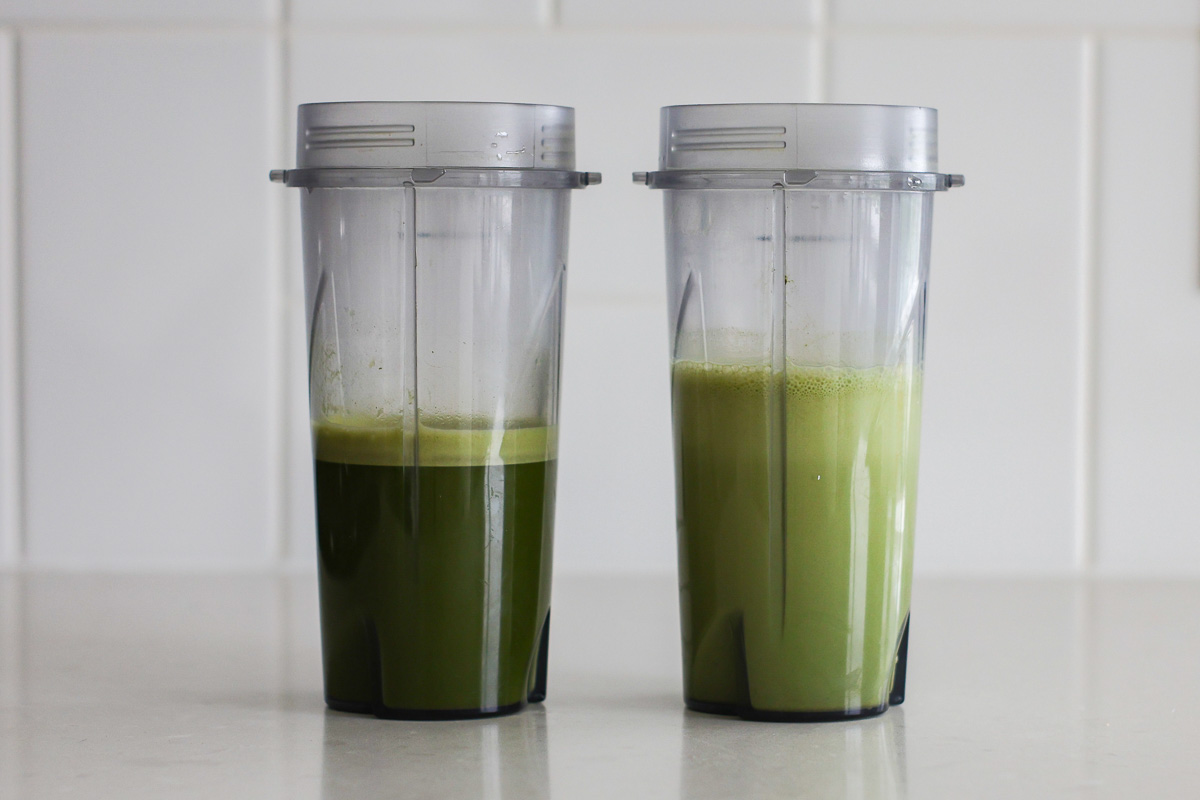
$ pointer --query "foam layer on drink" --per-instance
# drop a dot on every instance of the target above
(438, 441)
(801, 380)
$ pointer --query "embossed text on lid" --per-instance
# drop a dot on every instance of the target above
(409, 135)
(820, 136)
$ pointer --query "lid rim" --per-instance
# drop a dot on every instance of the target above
(797, 105)
(824, 136)
(433, 177)
(326, 103)
(405, 134)
(799, 180)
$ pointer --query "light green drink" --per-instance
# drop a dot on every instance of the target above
(796, 501)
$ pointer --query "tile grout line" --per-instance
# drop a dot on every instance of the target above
(9, 457)
(277, 445)
(818, 60)
(1087, 332)
(549, 14)
(11, 479)
(1196, 266)
(287, 240)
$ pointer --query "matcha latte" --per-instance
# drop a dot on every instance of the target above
(434, 564)
(796, 498)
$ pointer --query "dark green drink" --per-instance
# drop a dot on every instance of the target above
(434, 566)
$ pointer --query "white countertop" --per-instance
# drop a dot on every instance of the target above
(210, 687)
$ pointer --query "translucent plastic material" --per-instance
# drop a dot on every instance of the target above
(435, 343)
(797, 329)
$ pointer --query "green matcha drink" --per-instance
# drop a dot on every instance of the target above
(796, 500)
(434, 564)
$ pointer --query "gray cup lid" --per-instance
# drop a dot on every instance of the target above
(815, 136)
(431, 134)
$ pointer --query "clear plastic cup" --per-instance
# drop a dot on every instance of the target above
(797, 242)
(435, 250)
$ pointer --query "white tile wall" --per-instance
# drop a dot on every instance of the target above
(146, 299)
(150, 299)
(1019, 12)
(124, 11)
(10, 466)
(997, 467)
(1148, 366)
(464, 12)
(616, 484)
(687, 12)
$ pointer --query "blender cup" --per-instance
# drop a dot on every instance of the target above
(435, 244)
(797, 243)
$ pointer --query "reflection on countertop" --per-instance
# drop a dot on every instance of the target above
(210, 686)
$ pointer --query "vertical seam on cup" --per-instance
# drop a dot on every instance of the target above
(410, 231)
(549, 14)
(819, 60)
(279, 517)
(777, 396)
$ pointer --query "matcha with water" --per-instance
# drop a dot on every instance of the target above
(796, 498)
(434, 564)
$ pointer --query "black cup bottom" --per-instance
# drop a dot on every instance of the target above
(385, 712)
(758, 715)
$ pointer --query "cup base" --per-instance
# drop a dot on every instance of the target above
(385, 712)
(759, 715)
